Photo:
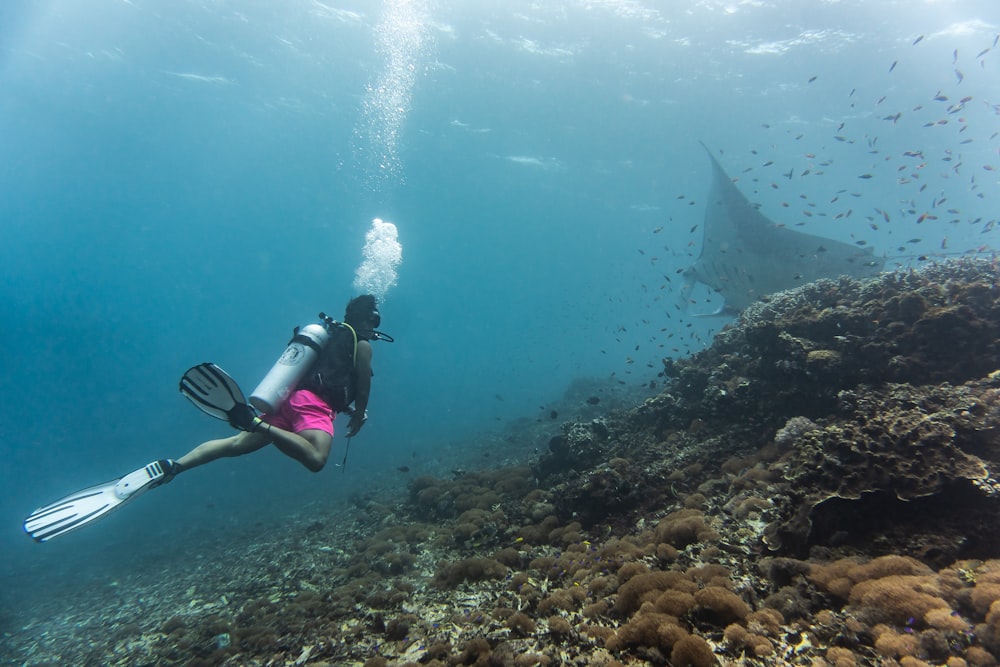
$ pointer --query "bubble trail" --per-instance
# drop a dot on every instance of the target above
(401, 39)
(382, 256)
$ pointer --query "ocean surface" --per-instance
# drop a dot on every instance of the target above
(187, 181)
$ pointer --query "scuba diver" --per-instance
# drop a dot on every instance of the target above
(325, 369)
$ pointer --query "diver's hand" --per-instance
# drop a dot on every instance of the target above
(357, 421)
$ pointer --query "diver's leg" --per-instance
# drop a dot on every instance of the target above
(310, 447)
(235, 445)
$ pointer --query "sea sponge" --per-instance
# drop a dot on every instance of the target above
(979, 657)
(892, 644)
(666, 552)
(559, 626)
(695, 500)
(883, 566)
(711, 574)
(653, 630)
(896, 599)
(470, 569)
(566, 599)
(598, 608)
(910, 661)
(509, 556)
(946, 620)
(832, 577)
(647, 587)
(518, 580)
(750, 505)
(520, 624)
(674, 602)
(629, 570)
(721, 605)
(692, 651)
(597, 585)
(475, 651)
(735, 634)
(841, 657)
(935, 645)
(598, 632)
(765, 621)
(983, 596)
(760, 646)
(683, 528)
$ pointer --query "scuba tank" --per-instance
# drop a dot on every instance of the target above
(291, 367)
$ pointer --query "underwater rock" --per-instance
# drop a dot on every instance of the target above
(792, 354)
(905, 441)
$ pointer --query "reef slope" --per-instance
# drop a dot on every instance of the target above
(815, 488)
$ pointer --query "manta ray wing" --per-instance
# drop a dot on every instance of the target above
(745, 255)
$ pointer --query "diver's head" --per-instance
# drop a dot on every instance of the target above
(362, 314)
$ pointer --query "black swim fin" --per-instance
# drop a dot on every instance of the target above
(215, 393)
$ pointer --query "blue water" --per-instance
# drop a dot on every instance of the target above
(186, 181)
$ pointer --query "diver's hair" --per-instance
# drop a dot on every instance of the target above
(359, 309)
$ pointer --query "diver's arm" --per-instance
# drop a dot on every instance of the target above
(363, 370)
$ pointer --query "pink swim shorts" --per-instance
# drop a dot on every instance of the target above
(302, 411)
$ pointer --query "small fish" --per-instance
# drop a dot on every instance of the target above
(918, 40)
(812, 78)
(954, 57)
(658, 230)
(403, 468)
(959, 75)
(983, 52)
(553, 414)
(893, 65)
(865, 176)
(593, 400)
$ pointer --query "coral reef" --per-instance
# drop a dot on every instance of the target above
(816, 488)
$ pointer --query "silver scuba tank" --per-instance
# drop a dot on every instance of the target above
(291, 367)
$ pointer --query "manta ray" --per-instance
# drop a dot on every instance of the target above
(745, 256)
